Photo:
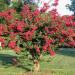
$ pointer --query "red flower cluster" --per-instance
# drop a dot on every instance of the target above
(55, 2)
(36, 12)
(12, 44)
(8, 14)
(20, 25)
(45, 7)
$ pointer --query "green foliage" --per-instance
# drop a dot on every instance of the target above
(3, 5)
(17, 6)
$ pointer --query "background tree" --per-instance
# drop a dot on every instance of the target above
(72, 6)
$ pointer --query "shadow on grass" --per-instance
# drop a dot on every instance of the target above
(66, 51)
(23, 67)
(7, 61)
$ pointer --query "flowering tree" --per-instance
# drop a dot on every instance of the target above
(35, 31)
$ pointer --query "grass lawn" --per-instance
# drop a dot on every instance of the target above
(62, 64)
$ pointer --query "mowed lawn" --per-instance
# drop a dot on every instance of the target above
(62, 64)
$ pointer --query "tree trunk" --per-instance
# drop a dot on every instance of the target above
(40, 57)
(36, 66)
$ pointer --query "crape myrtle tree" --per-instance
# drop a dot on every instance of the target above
(34, 32)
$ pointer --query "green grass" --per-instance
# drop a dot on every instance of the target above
(62, 64)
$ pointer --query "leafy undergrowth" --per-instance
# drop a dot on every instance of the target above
(62, 64)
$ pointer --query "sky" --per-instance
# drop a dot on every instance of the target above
(61, 8)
